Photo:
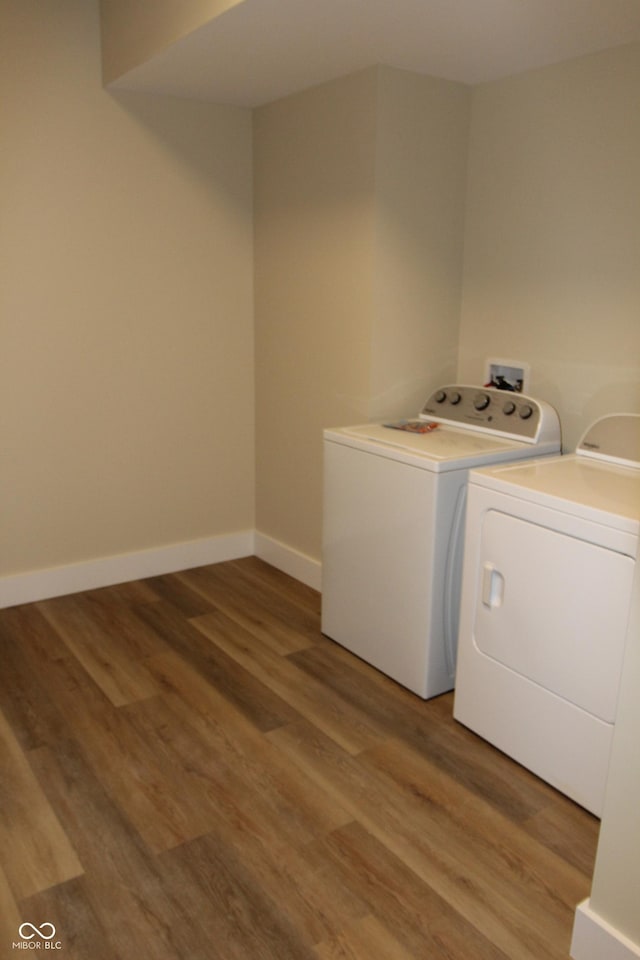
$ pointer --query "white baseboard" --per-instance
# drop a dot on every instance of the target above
(58, 581)
(595, 939)
(291, 561)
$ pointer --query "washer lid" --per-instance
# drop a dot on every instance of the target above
(441, 449)
(614, 438)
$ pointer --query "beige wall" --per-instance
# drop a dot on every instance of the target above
(552, 246)
(359, 206)
(421, 162)
(133, 31)
(314, 168)
(550, 206)
(359, 196)
(126, 305)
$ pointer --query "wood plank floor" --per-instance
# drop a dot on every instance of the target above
(189, 769)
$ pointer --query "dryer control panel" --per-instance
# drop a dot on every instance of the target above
(614, 438)
(488, 410)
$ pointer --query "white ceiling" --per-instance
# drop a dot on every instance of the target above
(261, 50)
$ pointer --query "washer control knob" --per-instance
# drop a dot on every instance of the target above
(455, 398)
(509, 408)
(526, 411)
(482, 401)
(440, 396)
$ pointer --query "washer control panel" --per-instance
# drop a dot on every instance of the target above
(492, 411)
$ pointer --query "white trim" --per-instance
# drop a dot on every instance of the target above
(595, 939)
(289, 560)
(103, 572)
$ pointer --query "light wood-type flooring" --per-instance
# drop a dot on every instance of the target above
(189, 769)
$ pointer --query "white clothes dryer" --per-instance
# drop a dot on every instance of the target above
(550, 548)
(393, 523)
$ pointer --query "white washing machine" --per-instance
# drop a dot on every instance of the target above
(393, 524)
(550, 548)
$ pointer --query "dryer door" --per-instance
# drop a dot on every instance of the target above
(554, 608)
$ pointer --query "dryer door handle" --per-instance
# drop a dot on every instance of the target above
(492, 586)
